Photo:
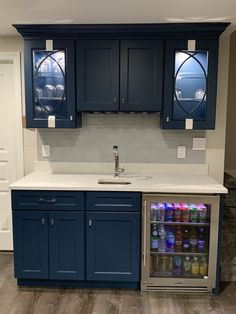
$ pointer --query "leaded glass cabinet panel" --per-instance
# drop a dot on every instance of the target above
(190, 85)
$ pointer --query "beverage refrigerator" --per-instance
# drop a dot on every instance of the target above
(179, 242)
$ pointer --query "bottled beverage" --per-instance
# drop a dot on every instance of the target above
(177, 265)
(186, 244)
(193, 213)
(170, 241)
(170, 265)
(202, 213)
(203, 266)
(154, 212)
(178, 239)
(201, 242)
(195, 266)
(155, 263)
(161, 211)
(162, 239)
(193, 240)
(154, 238)
(177, 212)
(187, 265)
(169, 212)
(185, 212)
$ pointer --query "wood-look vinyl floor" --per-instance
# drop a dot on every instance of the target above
(27, 300)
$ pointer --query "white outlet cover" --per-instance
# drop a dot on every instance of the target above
(199, 143)
(46, 150)
(181, 152)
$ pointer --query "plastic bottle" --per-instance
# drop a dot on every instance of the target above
(195, 266)
(202, 213)
(201, 242)
(170, 241)
(178, 239)
(193, 213)
(186, 244)
(185, 212)
(154, 212)
(161, 211)
(203, 266)
(169, 212)
(193, 240)
(187, 265)
(162, 239)
(177, 212)
(177, 265)
(154, 238)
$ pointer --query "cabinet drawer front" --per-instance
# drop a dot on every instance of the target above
(58, 200)
(113, 201)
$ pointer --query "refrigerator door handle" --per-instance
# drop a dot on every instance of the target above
(145, 233)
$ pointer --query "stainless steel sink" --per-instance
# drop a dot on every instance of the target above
(113, 181)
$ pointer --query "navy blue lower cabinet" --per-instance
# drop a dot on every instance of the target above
(31, 244)
(66, 250)
(113, 246)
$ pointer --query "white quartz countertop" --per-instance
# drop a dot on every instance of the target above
(156, 183)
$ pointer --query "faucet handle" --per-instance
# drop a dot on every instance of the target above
(115, 146)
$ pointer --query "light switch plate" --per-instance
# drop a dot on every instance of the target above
(46, 151)
(199, 143)
(181, 152)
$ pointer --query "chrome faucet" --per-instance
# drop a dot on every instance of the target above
(118, 170)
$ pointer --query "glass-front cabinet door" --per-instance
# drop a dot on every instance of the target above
(180, 242)
(190, 85)
(50, 84)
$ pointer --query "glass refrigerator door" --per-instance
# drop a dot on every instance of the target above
(181, 237)
(49, 84)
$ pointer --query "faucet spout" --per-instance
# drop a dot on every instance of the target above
(116, 156)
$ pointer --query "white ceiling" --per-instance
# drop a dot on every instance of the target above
(113, 11)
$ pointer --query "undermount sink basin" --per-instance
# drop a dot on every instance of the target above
(113, 181)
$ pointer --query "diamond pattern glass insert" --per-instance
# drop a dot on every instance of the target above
(190, 85)
(49, 84)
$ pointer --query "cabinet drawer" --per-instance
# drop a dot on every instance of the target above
(58, 200)
(113, 201)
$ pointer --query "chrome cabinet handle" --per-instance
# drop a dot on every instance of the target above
(53, 200)
(167, 119)
(43, 221)
(123, 100)
(41, 200)
(115, 101)
(90, 223)
(52, 222)
(145, 233)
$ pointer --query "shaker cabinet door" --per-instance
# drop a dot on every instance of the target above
(66, 250)
(97, 75)
(49, 83)
(30, 231)
(190, 85)
(141, 71)
(113, 246)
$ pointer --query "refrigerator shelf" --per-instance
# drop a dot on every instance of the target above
(175, 223)
(160, 275)
(178, 253)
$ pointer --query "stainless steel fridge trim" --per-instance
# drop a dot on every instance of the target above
(208, 283)
(145, 233)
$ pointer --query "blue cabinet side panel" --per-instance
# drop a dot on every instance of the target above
(30, 233)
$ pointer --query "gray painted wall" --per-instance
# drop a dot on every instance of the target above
(138, 136)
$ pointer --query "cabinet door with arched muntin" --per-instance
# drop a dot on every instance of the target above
(190, 92)
(49, 84)
(190, 84)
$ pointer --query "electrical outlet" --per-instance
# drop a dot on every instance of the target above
(46, 151)
(199, 143)
(181, 152)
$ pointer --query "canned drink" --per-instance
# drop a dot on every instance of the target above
(156, 263)
(163, 265)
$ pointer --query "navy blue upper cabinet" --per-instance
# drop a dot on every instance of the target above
(190, 85)
(97, 74)
(50, 84)
(115, 75)
(141, 70)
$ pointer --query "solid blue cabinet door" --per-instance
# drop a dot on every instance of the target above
(113, 246)
(30, 231)
(97, 75)
(66, 238)
(190, 84)
(141, 70)
(50, 83)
